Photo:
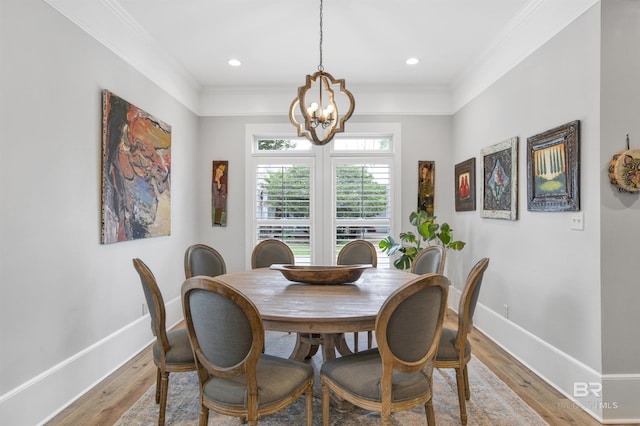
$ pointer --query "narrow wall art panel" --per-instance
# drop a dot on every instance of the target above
(426, 186)
(219, 183)
(136, 172)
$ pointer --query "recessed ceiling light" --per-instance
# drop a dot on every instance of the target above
(234, 62)
(412, 61)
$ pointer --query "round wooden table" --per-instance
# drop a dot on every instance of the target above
(320, 314)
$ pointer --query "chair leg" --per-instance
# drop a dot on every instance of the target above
(355, 342)
(158, 379)
(204, 416)
(325, 405)
(467, 389)
(369, 339)
(309, 408)
(428, 409)
(461, 397)
(164, 387)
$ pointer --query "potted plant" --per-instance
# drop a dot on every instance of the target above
(428, 231)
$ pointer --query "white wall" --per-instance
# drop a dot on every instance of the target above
(620, 104)
(71, 308)
(547, 274)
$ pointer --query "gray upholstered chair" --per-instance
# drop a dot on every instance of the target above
(358, 252)
(429, 260)
(398, 374)
(172, 351)
(227, 336)
(354, 253)
(200, 259)
(454, 350)
(268, 252)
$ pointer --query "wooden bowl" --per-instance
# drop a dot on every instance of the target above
(339, 274)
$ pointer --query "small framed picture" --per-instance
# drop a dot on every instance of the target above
(500, 180)
(553, 169)
(465, 192)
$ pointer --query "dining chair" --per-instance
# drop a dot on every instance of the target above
(235, 377)
(200, 259)
(454, 350)
(270, 251)
(398, 374)
(172, 351)
(354, 253)
(429, 260)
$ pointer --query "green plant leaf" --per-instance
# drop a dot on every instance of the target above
(457, 245)
(427, 229)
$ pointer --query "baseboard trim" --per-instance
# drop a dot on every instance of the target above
(59, 386)
(608, 398)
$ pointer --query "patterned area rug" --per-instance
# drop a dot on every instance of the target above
(492, 402)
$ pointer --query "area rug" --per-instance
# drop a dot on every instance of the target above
(492, 402)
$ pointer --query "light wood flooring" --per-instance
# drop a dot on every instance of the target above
(105, 403)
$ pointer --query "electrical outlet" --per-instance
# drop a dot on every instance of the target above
(505, 312)
(577, 221)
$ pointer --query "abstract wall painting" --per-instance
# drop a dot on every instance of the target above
(465, 192)
(553, 169)
(500, 180)
(136, 172)
(219, 193)
(426, 186)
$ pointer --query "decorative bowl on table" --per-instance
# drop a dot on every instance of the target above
(338, 274)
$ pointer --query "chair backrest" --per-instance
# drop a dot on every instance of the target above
(358, 252)
(429, 261)
(468, 300)
(155, 303)
(409, 324)
(268, 252)
(225, 328)
(200, 259)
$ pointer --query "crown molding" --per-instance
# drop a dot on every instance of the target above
(108, 23)
(537, 23)
(112, 26)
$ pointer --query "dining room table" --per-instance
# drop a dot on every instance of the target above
(319, 313)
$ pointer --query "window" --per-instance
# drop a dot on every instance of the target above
(317, 199)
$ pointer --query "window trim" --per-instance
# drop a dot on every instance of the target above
(321, 248)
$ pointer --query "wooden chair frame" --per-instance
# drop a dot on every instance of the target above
(390, 362)
(157, 312)
(466, 308)
(247, 366)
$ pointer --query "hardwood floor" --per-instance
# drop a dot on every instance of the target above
(105, 404)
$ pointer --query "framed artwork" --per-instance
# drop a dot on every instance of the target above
(500, 180)
(219, 193)
(426, 186)
(465, 193)
(136, 172)
(553, 169)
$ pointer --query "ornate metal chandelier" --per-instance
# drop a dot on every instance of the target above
(319, 119)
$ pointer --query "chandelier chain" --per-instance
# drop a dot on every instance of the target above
(320, 67)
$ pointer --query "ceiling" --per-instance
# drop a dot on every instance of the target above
(186, 44)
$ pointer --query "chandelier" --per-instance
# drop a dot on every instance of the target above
(316, 114)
